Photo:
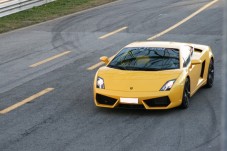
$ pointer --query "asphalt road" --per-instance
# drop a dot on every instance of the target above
(67, 119)
(224, 102)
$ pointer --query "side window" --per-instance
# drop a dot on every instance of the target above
(186, 55)
(185, 64)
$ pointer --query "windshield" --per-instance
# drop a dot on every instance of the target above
(146, 59)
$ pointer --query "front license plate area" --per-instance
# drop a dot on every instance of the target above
(129, 100)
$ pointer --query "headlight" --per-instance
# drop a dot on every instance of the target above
(100, 83)
(168, 85)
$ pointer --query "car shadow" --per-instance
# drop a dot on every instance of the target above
(141, 112)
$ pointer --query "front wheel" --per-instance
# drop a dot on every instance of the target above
(210, 75)
(186, 95)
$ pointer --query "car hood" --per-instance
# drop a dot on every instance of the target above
(137, 81)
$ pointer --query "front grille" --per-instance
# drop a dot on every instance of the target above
(130, 106)
(101, 99)
(158, 102)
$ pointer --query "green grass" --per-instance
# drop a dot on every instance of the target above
(46, 12)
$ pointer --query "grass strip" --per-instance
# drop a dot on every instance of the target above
(46, 12)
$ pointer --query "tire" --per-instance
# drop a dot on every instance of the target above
(210, 75)
(186, 95)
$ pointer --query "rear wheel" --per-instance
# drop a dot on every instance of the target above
(210, 75)
(186, 95)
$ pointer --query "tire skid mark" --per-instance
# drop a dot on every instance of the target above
(181, 132)
(211, 133)
(137, 134)
(205, 143)
(57, 31)
(29, 131)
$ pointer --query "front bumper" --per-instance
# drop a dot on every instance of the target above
(148, 100)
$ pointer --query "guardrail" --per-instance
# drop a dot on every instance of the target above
(8, 7)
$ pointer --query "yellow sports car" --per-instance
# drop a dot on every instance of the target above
(153, 75)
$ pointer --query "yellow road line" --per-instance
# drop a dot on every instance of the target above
(95, 66)
(114, 32)
(29, 99)
(49, 59)
(98, 64)
(169, 29)
(184, 20)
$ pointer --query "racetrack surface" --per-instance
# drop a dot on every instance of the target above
(67, 119)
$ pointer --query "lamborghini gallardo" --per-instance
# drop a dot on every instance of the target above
(154, 75)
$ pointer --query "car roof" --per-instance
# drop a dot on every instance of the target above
(164, 44)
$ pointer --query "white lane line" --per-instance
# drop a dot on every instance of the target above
(112, 33)
(29, 99)
(170, 28)
(183, 21)
(49, 59)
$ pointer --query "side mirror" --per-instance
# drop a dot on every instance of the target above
(105, 59)
(195, 62)
(192, 50)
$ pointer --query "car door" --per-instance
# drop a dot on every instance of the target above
(193, 70)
